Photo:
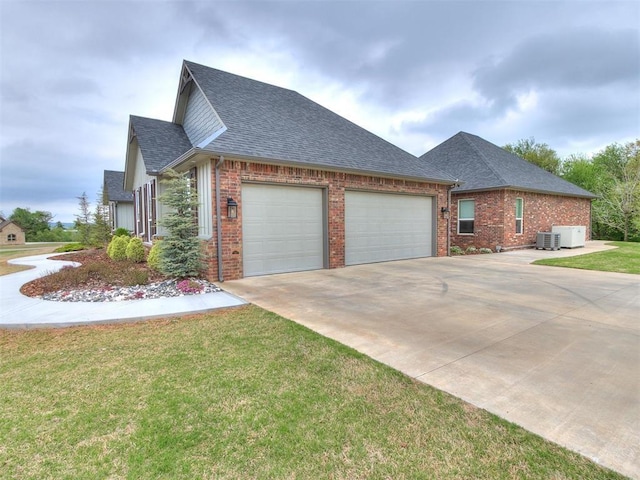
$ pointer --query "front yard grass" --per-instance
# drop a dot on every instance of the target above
(624, 259)
(242, 393)
(9, 252)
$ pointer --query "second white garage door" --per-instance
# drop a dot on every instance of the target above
(382, 226)
(282, 229)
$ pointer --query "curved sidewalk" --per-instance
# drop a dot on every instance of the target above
(20, 311)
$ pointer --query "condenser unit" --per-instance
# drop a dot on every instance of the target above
(571, 236)
(548, 240)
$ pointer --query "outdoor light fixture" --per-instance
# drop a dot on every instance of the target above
(445, 212)
(232, 208)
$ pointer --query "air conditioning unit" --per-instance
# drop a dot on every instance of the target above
(548, 240)
(571, 236)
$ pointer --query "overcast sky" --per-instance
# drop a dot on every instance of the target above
(415, 73)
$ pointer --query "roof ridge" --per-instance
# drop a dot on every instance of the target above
(466, 136)
(188, 62)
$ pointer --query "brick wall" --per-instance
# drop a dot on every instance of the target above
(495, 222)
(233, 173)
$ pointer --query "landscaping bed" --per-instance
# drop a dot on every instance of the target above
(101, 279)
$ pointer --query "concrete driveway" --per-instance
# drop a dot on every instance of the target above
(554, 350)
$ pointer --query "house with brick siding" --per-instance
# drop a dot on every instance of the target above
(503, 200)
(119, 200)
(283, 184)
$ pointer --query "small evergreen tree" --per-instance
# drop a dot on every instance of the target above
(117, 249)
(180, 252)
(153, 259)
(101, 230)
(135, 250)
(82, 220)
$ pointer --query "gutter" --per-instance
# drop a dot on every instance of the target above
(218, 219)
(449, 188)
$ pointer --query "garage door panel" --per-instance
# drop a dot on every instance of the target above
(282, 228)
(381, 227)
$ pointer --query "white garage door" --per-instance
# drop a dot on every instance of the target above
(282, 229)
(382, 226)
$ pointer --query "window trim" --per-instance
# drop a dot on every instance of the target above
(521, 217)
(12, 237)
(466, 219)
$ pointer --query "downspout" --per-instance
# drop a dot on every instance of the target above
(218, 219)
(449, 188)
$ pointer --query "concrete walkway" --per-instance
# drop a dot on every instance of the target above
(19, 311)
(555, 350)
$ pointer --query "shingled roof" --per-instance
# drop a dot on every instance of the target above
(481, 165)
(160, 142)
(114, 186)
(280, 125)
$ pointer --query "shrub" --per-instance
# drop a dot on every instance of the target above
(153, 259)
(471, 250)
(121, 232)
(136, 277)
(135, 250)
(70, 247)
(486, 250)
(455, 250)
(189, 286)
(117, 249)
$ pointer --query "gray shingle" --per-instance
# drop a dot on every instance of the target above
(270, 122)
(481, 165)
(114, 186)
(161, 142)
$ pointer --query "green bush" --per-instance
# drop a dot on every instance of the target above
(153, 259)
(121, 232)
(117, 249)
(486, 250)
(70, 247)
(472, 250)
(135, 250)
(136, 277)
(455, 250)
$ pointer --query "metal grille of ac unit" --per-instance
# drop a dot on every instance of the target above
(548, 240)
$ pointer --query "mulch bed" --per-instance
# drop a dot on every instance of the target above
(98, 271)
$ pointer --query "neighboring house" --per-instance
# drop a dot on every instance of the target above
(503, 200)
(313, 190)
(10, 233)
(120, 201)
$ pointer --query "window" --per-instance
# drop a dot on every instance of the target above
(519, 212)
(466, 216)
(11, 237)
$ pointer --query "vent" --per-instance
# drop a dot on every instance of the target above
(548, 240)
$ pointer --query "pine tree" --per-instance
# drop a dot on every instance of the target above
(82, 220)
(101, 230)
(181, 253)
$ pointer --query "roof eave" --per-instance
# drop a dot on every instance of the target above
(525, 189)
(294, 163)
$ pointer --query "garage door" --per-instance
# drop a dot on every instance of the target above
(382, 226)
(282, 229)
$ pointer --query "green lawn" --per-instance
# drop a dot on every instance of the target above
(624, 259)
(241, 393)
(9, 252)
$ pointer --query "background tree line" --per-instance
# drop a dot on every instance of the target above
(613, 174)
(90, 228)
